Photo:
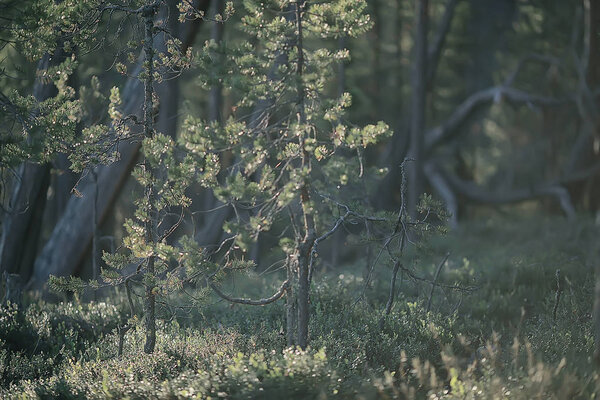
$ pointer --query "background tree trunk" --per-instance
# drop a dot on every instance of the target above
(21, 226)
(417, 126)
(216, 91)
(72, 236)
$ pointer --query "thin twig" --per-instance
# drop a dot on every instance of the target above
(437, 275)
(392, 295)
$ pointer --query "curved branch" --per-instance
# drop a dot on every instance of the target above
(477, 194)
(261, 302)
(448, 128)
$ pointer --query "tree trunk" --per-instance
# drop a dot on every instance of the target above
(303, 294)
(13, 286)
(291, 304)
(21, 226)
(149, 191)
(377, 82)
(216, 91)
(419, 76)
(305, 201)
(593, 79)
(596, 314)
(387, 194)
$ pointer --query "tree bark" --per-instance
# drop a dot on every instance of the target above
(376, 73)
(596, 314)
(387, 194)
(593, 77)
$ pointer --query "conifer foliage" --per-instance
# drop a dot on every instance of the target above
(293, 155)
(290, 155)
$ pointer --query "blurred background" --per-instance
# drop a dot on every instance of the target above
(502, 93)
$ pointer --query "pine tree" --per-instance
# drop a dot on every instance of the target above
(290, 155)
(163, 174)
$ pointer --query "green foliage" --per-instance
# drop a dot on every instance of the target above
(44, 25)
(295, 136)
(35, 343)
(38, 130)
(239, 352)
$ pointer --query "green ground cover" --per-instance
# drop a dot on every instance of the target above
(498, 340)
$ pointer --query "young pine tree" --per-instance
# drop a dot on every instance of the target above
(164, 173)
(290, 154)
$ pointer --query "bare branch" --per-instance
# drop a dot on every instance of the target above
(250, 302)
(448, 129)
(477, 194)
(313, 251)
(435, 279)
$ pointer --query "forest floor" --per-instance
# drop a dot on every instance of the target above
(499, 326)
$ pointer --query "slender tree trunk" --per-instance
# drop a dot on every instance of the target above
(96, 238)
(308, 219)
(291, 303)
(150, 224)
(216, 91)
(376, 75)
(417, 130)
(387, 194)
(341, 75)
(593, 78)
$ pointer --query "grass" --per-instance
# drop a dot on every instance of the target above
(497, 341)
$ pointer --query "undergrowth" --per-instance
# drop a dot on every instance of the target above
(497, 340)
